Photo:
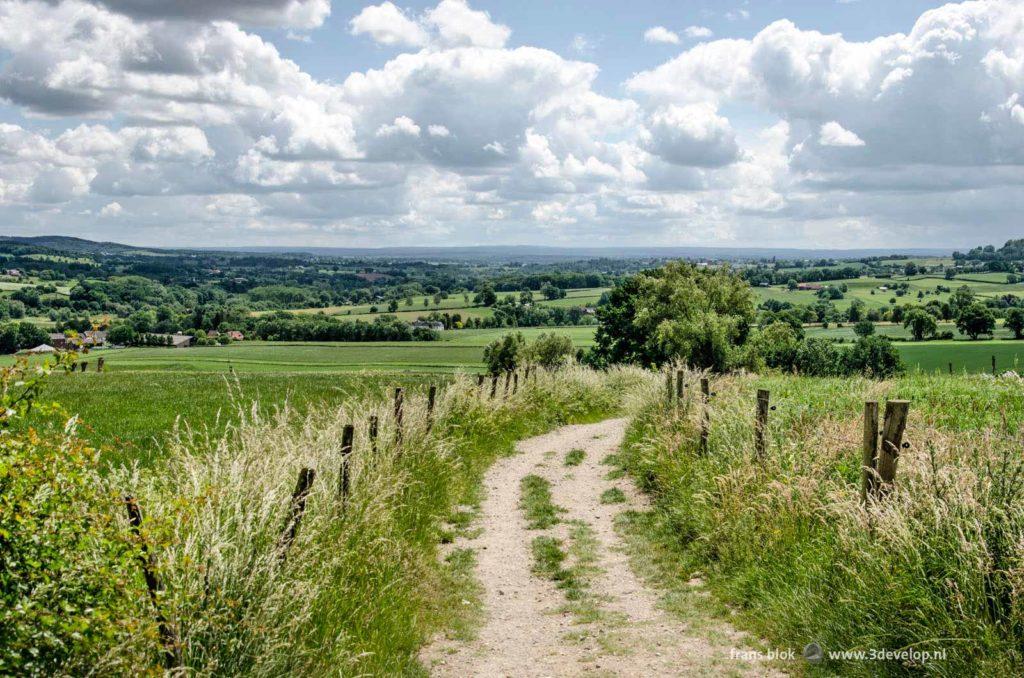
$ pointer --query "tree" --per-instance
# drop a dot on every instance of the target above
(874, 357)
(393, 305)
(551, 350)
(921, 323)
(552, 292)
(526, 297)
(976, 320)
(679, 311)
(961, 298)
(123, 335)
(1015, 322)
(485, 295)
(856, 310)
(864, 328)
(505, 353)
(910, 269)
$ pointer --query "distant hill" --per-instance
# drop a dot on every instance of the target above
(537, 253)
(484, 252)
(64, 243)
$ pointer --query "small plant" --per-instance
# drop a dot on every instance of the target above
(613, 496)
(535, 501)
(575, 457)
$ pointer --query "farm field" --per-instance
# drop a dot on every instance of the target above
(457, 303)
(984, 285)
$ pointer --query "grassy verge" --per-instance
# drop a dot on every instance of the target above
(936, 567)
(360, 587)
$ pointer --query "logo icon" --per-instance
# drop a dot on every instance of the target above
(813, 653)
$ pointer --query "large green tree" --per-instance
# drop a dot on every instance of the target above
(976, 320)
(921, 323)
(677, 312)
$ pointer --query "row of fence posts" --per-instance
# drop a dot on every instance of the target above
(511, 378)
(296, 509)
(881, 447)
(83, 365)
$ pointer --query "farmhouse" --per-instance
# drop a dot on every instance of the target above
(810, 286)
(236, 335)
(425, 325)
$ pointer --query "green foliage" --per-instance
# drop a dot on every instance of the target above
(505, 354)
(864, 328)
(551, 350)
(921, 324)
(975, 320)
(1015, 321)
(485, 295)
(69, 576)
(677, 312)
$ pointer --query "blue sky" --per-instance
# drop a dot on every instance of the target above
(812, 124)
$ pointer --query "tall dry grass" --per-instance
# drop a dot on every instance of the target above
(938, 565)
(357, 592)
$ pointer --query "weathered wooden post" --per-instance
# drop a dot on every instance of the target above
(515, 382)
(480, 382)
(508, 380)
(297, 508)
(892, 441)
(869, 456)
(344, 480)
(993, 365)
(168, 637)
(85, 365)
(761, 424)
(431, 398)
(374, 425)
(668, 387)
(399, 398)
(680, 385)
(99, 363)
(494, 385)
(951, 368)
(705, 422)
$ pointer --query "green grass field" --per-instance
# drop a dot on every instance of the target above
(457, 303)
(868, 290)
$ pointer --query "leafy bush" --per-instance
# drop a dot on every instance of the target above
(551, 350)
(505, 353)
(69, 574)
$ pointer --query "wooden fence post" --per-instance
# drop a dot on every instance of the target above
(399, 398)
(869, 456)
(515, 382)
(344, 479)
(680, 385)
(296, 508)
(892, 440)
(99, 363)
(668, 387)
(705, 422)
(761, 424)
(480, 382)
(951, 368)
(494, 385)
(168, 637)
(508, 380)
(993, 365)
(431, 398)
(85, 364)
(374, 424)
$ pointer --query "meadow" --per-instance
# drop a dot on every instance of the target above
(868, 290)
(930, 565)
(456, 303)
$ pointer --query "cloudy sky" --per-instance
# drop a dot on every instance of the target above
(814, 123)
